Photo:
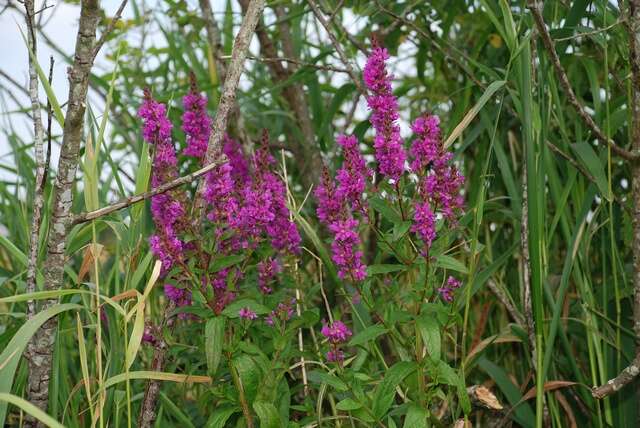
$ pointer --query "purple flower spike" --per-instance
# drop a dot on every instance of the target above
(267, 271)
(166, 209)
(330, 207)
(336, 333)
(389, 150)
(156, 128)
(447, 291)
(335, 356)
(424, 223)
(247, 314)
(440, 181)
(196, 123)
(352, 177)
(346, 254)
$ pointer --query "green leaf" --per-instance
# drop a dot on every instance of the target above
(268, 414)
(220, 416)
(348, 404)
(591, 161)
(386, 390)
(400, 229)
(319, 377)
(226, 261)
(382, 206)
(29, 409)
(232, 310)
(416, 417)
(51, 95)
(14, 251)
(367, 335)
(214, 340)
(175, 411)
(382, 269)
(249, 373)
(142, 180)
(522, 413)
(450, 263)
(430, 332)
(135, 340)
(10, 356)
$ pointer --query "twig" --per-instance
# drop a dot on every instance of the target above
(296, 62)
(625, 377)
(38, 142)
(108, 30)
(124, 203)
(549, 45)
(148, 412)
(506, 302)
(228, 97)
(320, 17)
(47, 162)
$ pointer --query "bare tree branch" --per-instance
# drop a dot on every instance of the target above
(41, 351)
(320, 17)
(535, 8)
(126, 202)
(237, 123)
(108, 30)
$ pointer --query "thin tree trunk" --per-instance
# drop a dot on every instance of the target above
(42, 349)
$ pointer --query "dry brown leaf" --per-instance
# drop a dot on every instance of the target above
(483, 396)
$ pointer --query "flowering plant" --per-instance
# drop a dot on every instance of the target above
(257, 295)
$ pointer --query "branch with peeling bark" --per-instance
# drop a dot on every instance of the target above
(126, 202)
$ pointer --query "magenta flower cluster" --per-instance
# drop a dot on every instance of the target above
(267, 271)
(336, 333)
(446, 291)
(388, 145)
(247, 314)
(196, 123)
(282, 313)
